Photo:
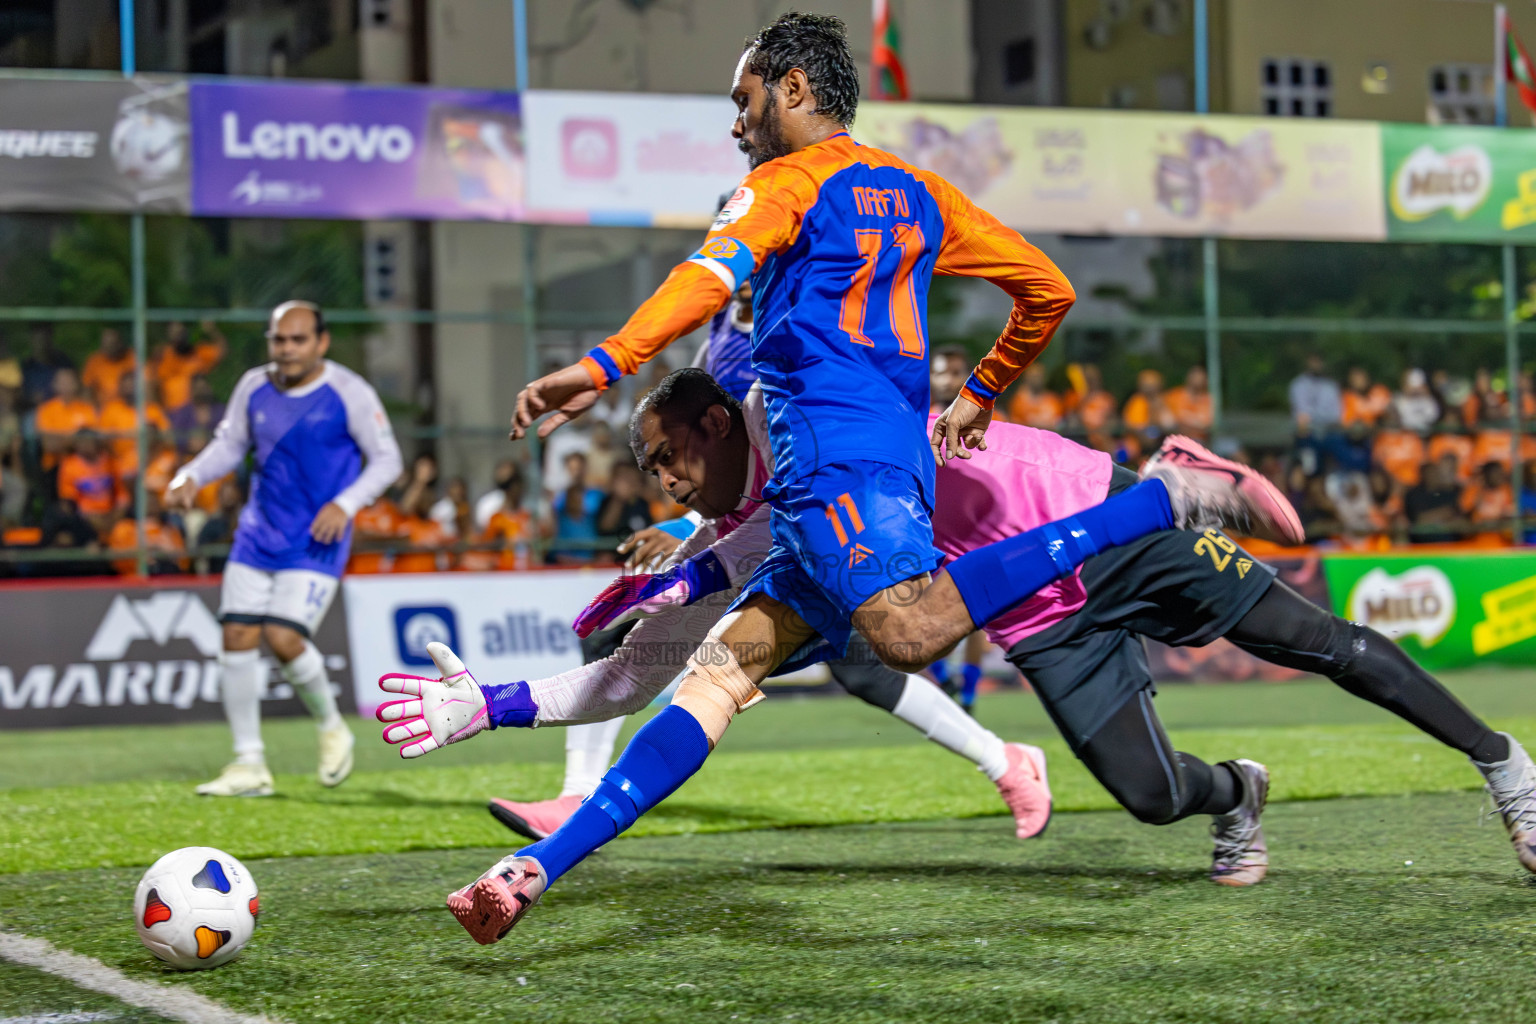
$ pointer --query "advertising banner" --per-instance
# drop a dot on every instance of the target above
(106, 654)
(1101, 172)
(506, 626)
(358, 152)
(114, 146)
(1446, 610)
(1459, 184)
(630, 159)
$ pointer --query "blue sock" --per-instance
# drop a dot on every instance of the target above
(940, 670)
(660, 757)
(996, 577)
(971, 676)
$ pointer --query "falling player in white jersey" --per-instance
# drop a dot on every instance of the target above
(323, 450)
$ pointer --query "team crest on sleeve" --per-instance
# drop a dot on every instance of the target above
(734, 209)
(720, 248)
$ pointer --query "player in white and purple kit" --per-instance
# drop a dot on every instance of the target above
(323, 450)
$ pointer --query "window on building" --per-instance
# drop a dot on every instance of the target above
(1019, 62)
(1461, 94)
(1296, 87)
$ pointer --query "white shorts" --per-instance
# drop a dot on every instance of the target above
(296, 598)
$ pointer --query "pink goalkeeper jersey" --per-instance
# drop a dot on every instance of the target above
(1026, 478)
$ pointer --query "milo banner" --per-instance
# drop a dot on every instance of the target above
(100, 653)
(116, 146)
(1446, 610)
(1459, 184)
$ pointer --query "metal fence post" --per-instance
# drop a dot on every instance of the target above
(1516, 398)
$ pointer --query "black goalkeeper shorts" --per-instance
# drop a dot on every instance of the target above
(1180, 587)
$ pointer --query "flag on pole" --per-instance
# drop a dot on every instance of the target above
(888, 75)
(1517, 64)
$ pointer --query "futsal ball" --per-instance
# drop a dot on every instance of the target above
(195, 908)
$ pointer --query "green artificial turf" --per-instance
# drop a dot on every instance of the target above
(1102, 920)
(815, 761)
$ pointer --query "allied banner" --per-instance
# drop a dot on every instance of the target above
(630, 159)
(506, 626)
(1446, 610)
(1459, 184)
(1105, 172)
(101, 653)
(113, 146)
(358, 152)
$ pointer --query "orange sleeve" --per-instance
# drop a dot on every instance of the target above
(976, 244)
(763, 217)
(69, 479)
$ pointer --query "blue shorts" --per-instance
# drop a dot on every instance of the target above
(842, 534)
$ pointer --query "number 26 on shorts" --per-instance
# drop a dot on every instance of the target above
(902, 313)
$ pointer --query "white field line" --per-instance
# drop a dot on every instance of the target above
(167, 1000)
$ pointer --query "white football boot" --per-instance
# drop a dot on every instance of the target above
(1512, 789)
(239, 779)
(1241, 856)
(335, 755)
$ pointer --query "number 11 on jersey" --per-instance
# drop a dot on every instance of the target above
(902, 310)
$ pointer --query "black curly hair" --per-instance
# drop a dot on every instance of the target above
(682, 396)
(818, 45)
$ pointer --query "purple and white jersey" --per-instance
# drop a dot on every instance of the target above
(311, 445)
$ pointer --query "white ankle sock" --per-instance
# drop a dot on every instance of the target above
(929, 710)
(306, 674)
(242, 683)
(588, 753)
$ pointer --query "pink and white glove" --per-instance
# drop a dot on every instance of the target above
(439, 711)
(642, 594)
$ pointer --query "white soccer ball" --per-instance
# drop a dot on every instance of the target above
(195, 908)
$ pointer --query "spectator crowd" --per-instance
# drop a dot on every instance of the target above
(70, 469)
(1367, 466)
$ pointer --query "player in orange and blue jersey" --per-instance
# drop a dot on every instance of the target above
(840, 242)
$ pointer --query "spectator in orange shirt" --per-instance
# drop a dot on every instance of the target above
(1190, 404)
(162, 467)
(1033, 404)
(61, 417)
(1400, 452)
(85, 478)
(510, 531)
(1457, 446)
(179, 360)
(105, 367)
(1364, 400)
(167, 548)
(1092, 407)
(1489, 499)
(373, 529)
(424, 533)
(119, 421)
(1146, 412)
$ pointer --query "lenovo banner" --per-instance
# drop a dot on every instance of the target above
(506, 626)
(116, 146)
(105, 654)
(357, 152)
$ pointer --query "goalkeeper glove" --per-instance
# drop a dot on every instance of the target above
(450, 709)
(630, 597)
